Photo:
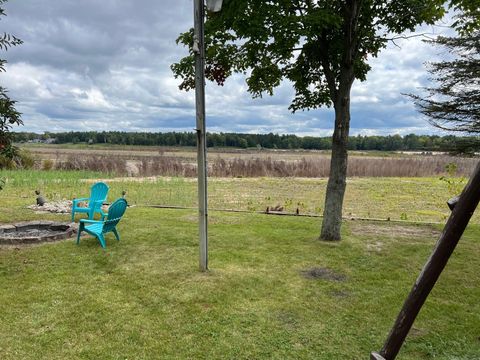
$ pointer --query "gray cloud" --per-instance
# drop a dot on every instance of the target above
(105, 65)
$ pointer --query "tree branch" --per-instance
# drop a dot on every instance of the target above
(402, 36)
(329, 74)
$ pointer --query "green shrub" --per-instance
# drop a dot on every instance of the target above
(454, 183)
(7, 163)
(16, 159)
(47, 164)
(25, 159)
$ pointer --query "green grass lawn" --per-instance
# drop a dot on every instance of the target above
(412, 199)
(144, 298)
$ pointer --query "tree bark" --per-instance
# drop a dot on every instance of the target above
(337, 181)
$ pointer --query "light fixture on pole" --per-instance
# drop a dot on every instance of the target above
(214, 5)
(199, 50)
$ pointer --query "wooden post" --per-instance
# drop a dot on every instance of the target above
(456, 224)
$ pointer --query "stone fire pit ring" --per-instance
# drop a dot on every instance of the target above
(35, 232)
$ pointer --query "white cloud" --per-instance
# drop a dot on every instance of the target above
(104, 65)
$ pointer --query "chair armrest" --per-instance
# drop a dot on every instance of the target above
(91, 221)
(80, 199)
(103, 215)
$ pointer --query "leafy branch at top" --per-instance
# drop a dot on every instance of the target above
(9, 116)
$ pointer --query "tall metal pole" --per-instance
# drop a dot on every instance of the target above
(199, 49)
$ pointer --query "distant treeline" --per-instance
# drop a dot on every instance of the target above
(410, 142)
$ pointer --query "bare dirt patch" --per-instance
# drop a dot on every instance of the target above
(375, 246)
(394, 230)
(417, 332)
(340, 294)
(189, 218)
(212, 219)
(323, 274)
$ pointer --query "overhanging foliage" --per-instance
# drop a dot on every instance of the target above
(454, 104)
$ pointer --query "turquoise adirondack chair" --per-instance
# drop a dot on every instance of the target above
(99, 228)
(98, 195)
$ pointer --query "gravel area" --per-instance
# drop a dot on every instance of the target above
(57, 207)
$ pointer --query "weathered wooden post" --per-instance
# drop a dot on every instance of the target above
(462, 211)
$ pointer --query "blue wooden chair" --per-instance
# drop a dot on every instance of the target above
(98, 195)
(99, 228)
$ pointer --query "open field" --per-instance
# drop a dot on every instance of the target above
(143, 298)
(412, 199)
(181, 161)
(189, 152)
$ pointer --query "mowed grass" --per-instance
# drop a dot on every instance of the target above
(144, 298)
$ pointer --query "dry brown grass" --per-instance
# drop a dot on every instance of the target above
(166, 166)
(281, 164)
(108, 164)
(408, 166)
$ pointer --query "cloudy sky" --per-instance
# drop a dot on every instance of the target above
(105, 65)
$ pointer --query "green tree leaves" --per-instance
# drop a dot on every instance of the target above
(309, 43)
(9, 116)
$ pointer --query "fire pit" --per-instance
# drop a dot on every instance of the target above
(34, 232)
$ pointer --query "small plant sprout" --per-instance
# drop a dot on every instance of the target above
(454, 183)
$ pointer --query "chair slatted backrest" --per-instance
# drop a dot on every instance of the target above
(115, 213)
(99, 191)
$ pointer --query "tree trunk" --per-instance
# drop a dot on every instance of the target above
(332, 215)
